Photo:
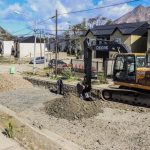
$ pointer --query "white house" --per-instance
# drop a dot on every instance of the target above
(7, 45)
(25, 46)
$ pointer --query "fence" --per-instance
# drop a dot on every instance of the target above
(78, 66)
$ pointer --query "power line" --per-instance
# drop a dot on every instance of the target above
(64, 30)
(21, 30)
(101, 7)
(38, 23)
(26, 33)
(80, 11)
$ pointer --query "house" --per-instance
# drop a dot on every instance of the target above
(6, 42)
(148, 41)
(25, 45)
(4, 35)
(133, 36)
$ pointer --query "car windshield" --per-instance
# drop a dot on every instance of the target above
(60, 62)
(54, 61)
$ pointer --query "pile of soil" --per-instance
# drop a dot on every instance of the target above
(72, 108)
(9, 82)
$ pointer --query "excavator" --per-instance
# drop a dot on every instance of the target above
(131, 79)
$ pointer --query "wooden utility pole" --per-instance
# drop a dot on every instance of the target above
(56, 47)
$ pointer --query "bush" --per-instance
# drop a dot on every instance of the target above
(66, 73)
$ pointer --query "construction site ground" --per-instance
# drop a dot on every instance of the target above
(111, 125)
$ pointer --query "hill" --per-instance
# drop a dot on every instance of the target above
(138, 14)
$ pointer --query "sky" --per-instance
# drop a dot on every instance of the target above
(19, 16)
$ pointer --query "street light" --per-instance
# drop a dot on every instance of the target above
(35, 28)
(56, 36)
(56, 45)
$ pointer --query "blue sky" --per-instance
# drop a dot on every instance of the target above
(21, 14)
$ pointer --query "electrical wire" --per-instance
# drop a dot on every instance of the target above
(25, 34)
(101, 7)
(38, 23)
(80, 11)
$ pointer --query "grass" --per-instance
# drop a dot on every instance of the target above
(9, 124)
(24, 134)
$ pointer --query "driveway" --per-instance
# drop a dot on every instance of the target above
(4, 68)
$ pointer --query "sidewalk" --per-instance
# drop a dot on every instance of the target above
(8, 144)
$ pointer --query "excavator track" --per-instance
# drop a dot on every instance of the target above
(132, 97)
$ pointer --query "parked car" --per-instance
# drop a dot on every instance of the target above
(60, 63)
(38, 60)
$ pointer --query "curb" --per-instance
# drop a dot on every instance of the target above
(45, 138)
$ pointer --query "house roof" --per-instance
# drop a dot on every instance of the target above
(4, 35)
(138, 28)
(30, 39)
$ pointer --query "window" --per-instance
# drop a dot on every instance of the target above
(119, 63)
(148, 59)
(130, 64)
(140, 61)
(118, 40)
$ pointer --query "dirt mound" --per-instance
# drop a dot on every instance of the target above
(72, 108)
(8, 82)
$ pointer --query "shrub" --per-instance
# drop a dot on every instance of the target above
(66, 73)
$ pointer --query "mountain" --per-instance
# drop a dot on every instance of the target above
(4, 35)
(138, 14)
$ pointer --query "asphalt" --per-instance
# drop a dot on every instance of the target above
(8, 144)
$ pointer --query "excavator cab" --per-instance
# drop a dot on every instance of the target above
(125, 67)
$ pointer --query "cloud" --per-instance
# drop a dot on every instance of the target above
(43, 9)
(115, 11)
(15, 7)
(10, 10)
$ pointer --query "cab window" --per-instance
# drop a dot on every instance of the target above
(140, 61)
(119, 63)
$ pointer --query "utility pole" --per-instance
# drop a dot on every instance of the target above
(44, 51)
(34, 49)
(40, 44)
(56, 47)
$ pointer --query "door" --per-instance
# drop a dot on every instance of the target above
(120, 69)
(131, 68)
(125, 69)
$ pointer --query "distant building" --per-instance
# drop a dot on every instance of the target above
(6, 41)
(25, 46)
(132, 35)
(148, 41)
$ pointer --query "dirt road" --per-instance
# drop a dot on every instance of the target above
(4, 68)
(117, 127)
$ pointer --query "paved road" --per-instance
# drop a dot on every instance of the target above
(8, 144)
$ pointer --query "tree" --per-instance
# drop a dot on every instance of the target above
(109, 22)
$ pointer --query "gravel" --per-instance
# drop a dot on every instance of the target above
(10, 81)
(71, 107)
(117, 126)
